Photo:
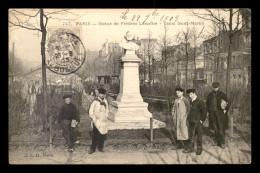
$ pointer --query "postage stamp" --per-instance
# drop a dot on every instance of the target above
(65, 50)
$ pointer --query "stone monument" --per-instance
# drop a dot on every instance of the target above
(129, 111)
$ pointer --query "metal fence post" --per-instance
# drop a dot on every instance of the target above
(50, 140)
(151, 130)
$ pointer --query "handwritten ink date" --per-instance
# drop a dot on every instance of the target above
(150, 17)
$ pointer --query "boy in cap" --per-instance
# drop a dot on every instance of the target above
(180, 112)
(68, 114)
(98, 113)
(197, 116)
(218, 118)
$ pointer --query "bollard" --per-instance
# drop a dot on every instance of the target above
(151, 130)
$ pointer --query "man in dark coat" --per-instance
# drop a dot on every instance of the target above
(68, 112)
(195, 119)
(218, 118)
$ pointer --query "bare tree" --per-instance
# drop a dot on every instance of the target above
(195, 39)
(184, 37)
(164, 44)
(29, 19)
(142, 54)
(150, 54)
(177, 58)
(231, 21)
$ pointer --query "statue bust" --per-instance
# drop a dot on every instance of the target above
(129, 42)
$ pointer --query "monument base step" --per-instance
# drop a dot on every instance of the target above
(135, 125)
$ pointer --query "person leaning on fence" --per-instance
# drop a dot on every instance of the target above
(69, 117)
(197, 116)
(217, 107)
(98, 113)
(180, 112)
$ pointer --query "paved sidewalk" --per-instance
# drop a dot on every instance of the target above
(234, 153)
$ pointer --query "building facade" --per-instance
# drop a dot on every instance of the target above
(216, 53)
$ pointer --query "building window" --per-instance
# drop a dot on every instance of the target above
(233, 62)
(210, 78)
(246, 22)
(208, 45)
(206, 77)
(212, 64)
(234, 79)
(200, 75)
(237, 62)
(197, 75)
(240, 79)
(241, 61)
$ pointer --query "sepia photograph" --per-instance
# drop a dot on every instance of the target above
(131, 86)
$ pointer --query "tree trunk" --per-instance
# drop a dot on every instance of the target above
(187, 64)
(228, 72)
(153, 72)
(186, 74)
(195, 70)
(149, 71)
(177, 74)
(45, 106)
(167, 92)
(144, 67)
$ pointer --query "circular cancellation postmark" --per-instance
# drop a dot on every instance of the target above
(65, 51)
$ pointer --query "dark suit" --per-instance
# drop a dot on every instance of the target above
(218, 120)
(67, 113)
(197, 113)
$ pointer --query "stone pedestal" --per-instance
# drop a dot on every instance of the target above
(129, 111)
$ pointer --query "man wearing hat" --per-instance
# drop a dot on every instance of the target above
(98, 112)
(217, 106)
(68, 114)
(197, 116)
(180, 111)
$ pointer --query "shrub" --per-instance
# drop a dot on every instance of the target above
(17, 107)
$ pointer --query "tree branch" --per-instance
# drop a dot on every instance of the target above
(26, 14)
(46, 20)
(36, 29)
(209, 17)
(56, 12)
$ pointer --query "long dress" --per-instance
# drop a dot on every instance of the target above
(180, 111)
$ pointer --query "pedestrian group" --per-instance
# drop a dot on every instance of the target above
(188, 117)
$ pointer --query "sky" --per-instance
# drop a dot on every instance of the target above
(99, 25)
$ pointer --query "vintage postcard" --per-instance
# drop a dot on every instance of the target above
(129, 86)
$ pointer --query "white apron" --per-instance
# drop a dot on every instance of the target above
(99, 113)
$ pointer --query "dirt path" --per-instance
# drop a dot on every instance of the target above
(234, 153)
(237, 151)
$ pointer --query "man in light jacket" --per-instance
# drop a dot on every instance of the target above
(180, 112)
(98, 113)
